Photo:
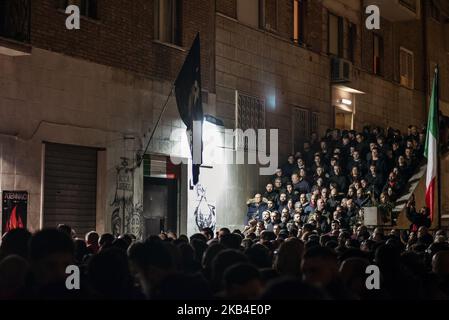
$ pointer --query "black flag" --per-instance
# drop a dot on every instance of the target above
(189, 100)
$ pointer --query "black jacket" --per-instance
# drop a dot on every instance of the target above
(340, 181)
(417, 219)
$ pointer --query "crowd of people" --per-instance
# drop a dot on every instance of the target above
(304, 239)
(329, 182)
(224, 265)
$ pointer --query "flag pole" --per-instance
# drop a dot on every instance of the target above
(153, 131)
(437, 101)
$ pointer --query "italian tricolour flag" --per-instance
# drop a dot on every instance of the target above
(431, 149)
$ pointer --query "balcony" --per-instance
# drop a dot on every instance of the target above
(15, 27)
(397, 10)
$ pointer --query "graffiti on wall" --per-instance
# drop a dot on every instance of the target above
(135, 224)
(126, 216)
(205, 216)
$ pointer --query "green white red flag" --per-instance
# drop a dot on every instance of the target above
(431, 149)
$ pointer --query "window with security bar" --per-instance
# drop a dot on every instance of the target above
(250, 114)
(304, 123)
(300, 127)
(314, 123)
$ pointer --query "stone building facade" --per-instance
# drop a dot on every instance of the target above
(265, 63)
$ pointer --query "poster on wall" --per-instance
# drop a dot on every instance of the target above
(14, 213)
(202, 203)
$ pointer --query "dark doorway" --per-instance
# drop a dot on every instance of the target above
(160, 205)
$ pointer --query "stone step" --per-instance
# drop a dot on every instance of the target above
(412, 184)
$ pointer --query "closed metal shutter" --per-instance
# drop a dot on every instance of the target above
(70, 187)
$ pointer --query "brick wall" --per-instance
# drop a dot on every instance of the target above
(123, 36)
(262, 65)
(279, 15)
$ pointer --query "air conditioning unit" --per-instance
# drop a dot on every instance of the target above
(341, 70)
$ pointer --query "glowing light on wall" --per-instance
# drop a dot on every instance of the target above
(212, 140)
(271, 101)
(346, 102)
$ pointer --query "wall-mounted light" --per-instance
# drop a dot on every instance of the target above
(346, 102)
(213, 140)
(271, 101)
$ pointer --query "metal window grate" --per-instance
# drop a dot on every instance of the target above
(314, 122)
(250, 114)
(304, 122)
(301, 127)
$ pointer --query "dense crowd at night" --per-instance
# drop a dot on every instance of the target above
(225, 265)
(303, 240)
(330, 180)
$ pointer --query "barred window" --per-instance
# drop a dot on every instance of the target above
(300, 127)
(304, 122)
(250, 114)
(314, 123)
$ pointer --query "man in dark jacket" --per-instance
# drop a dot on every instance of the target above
(282, 202)
(300, 184)
(362, 146)
(270, 193)
(255, 208)
(339, 179)
(362, 200)
(333, 201)
(356, 161)
(375, 180)
(292, 193)
(275, 220)
(394, 183)
(378, 159)
(280, 175)
(418, 219)
(289, 167)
